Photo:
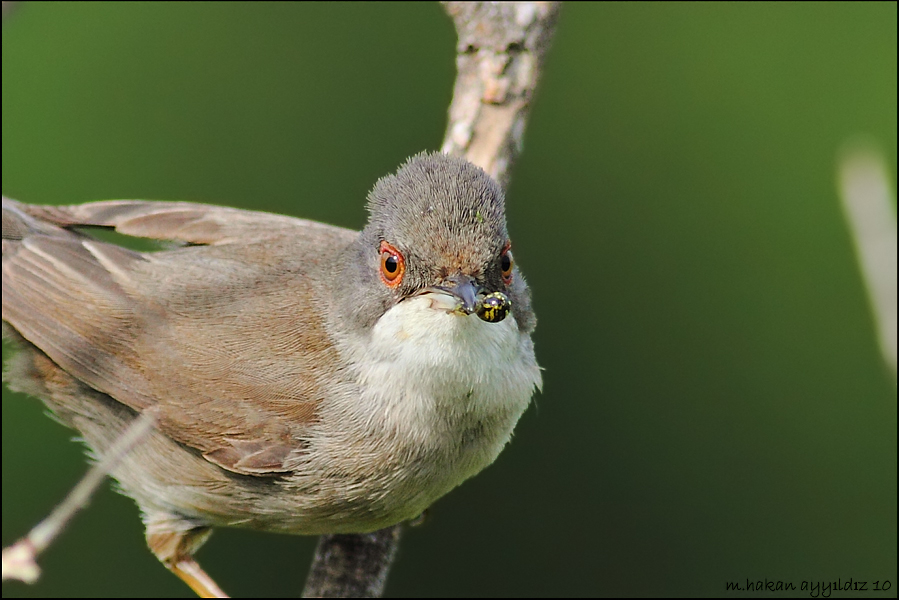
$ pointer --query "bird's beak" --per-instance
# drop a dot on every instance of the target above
(458, 294)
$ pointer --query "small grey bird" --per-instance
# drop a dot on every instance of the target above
(306, 378)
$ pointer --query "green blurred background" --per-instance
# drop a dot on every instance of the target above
(715, 407)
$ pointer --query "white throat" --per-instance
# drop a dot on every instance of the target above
(434, 374)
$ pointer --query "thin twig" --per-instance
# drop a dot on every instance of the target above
(499, 57)
(19, 560)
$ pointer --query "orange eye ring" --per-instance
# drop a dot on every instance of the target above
(506, 263)
(393, 265)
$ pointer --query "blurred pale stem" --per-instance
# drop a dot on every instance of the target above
(869, 206)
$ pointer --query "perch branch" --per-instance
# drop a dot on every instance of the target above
(498, 58)
(352, 566)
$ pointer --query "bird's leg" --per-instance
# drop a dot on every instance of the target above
(175, 549)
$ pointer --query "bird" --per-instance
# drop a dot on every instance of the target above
(304, 378)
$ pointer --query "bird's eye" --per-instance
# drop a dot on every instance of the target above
(393, 265)
(505, 263)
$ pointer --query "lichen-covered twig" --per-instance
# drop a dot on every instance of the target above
(499, 55)
(498, 58)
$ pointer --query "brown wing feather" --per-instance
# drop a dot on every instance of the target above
(226, 340)
(178, 221)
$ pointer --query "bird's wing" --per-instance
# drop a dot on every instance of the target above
(226, 341)
(173, 221)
